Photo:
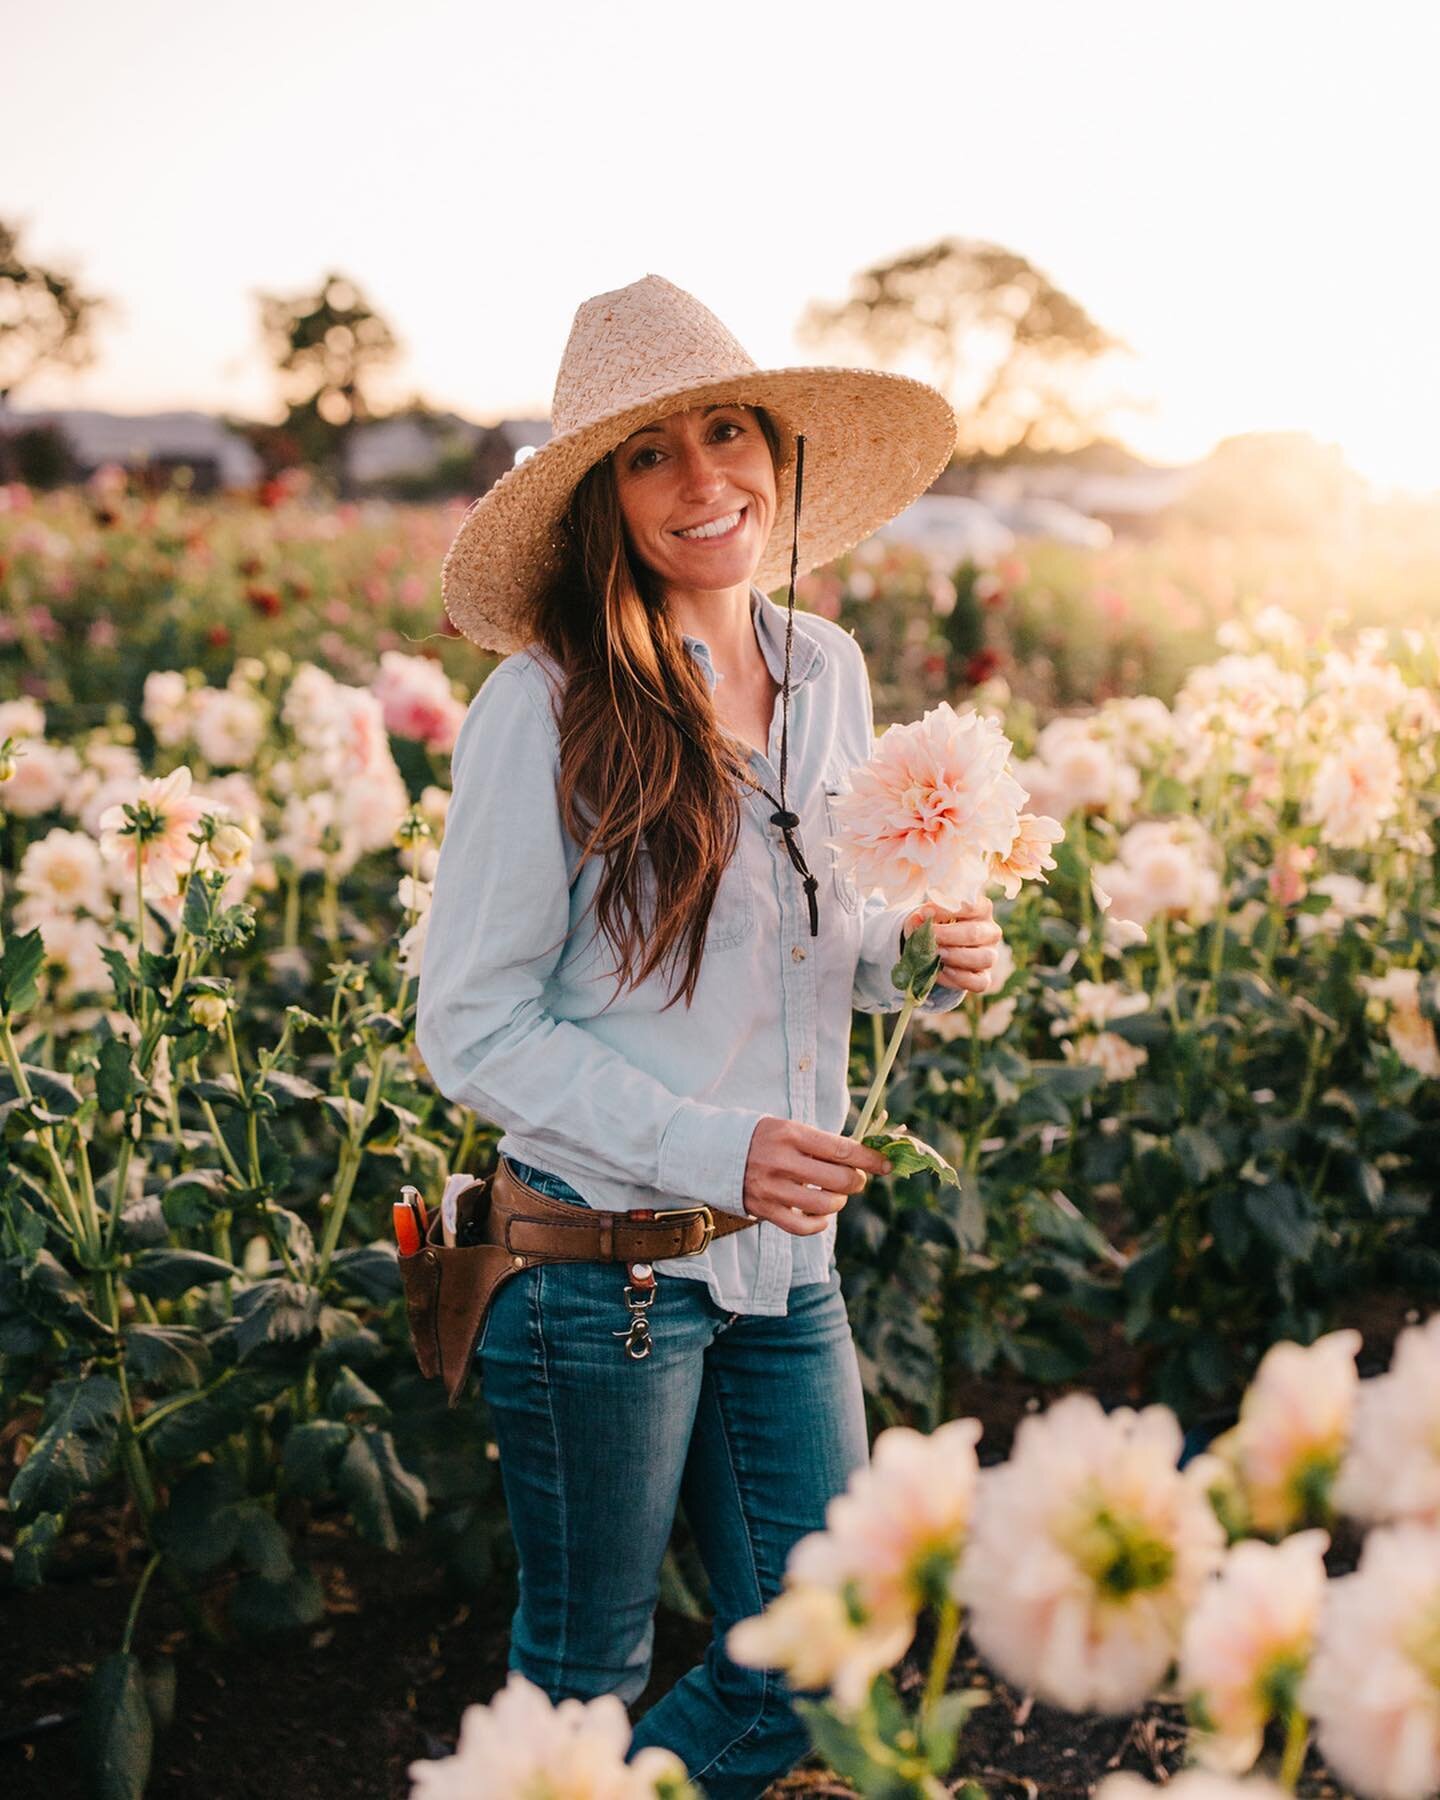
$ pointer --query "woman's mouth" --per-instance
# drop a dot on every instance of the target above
(714, 531)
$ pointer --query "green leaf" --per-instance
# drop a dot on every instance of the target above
(20, 966)
(289, 1090)
(1198, 1154)
(296, 1235)
(261, 1608)
(385, 1026)
(193, 1198)
(941, 1724)
(909, 1154)
(115, 1082)
(348, 1113)
(56, 1093)
(117, 1730)
(200, 1526)
(839, 1744)
(200, 1424)
(369, 1270)
(73, 1452)
(274, 1312)
(160, 1693)
(157, 971)
(122, 979)
(174, 1355)
(1284, 1218)
(311, 1453)
(166, 1274)
(349, 1395)
(220, 1092)
(33, 1543)
(262, 1544)
(199, 909)
(384, 1498)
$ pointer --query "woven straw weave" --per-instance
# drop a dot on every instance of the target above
(873, 442)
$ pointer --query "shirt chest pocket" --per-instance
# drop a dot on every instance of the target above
(732, 917)
(846, 893)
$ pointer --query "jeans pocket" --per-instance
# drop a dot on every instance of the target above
(552, 1186)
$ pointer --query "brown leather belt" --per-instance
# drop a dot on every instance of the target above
(535, 1228)
(449, 1288)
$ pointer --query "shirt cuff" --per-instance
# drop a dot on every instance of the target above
(703, 1153)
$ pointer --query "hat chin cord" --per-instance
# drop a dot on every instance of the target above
(782, 816)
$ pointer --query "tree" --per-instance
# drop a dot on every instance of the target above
(1008, 348)
(326, 346)
(44, 318)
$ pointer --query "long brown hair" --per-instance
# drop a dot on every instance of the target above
(647, 778)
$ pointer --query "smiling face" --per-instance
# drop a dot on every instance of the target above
(697, 495)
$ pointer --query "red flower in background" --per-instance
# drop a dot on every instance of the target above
(218, 636)
(265, 601)
(981, 666)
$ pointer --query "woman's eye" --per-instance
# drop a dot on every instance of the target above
(729, 425)
(637, 461)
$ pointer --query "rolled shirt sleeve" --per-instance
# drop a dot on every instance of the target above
(496, 933)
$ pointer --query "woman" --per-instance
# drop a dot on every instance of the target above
(642, 963)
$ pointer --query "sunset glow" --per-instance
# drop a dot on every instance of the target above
(1240, 193)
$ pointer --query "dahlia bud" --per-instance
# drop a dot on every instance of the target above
(230, 847)
(209, 1010)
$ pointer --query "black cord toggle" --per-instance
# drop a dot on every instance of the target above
(787, 821)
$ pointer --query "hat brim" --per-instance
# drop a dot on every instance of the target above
(874, 442)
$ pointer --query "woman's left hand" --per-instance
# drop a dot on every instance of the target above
(966, 940)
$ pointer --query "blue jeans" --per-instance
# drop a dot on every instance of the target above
(753, 1422)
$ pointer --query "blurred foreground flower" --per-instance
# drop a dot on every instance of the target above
(1391, 1470)
(521, 1747)
(1374, 1685)
(1274, 1469)
(1189, 1784)
(1088, 1549)
(1247, 1645)
(891, 1546)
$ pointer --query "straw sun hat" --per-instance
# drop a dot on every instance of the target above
(873, 443)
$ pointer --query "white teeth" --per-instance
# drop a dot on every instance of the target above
(716, 527)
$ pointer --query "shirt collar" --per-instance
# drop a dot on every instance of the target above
(807, 657)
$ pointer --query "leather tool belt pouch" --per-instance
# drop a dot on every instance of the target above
(449, 1288)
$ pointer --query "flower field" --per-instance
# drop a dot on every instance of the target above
(1197, 1116)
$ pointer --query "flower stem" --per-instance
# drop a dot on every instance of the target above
(877, 1088)
(947, 1640)
(1297, 1740)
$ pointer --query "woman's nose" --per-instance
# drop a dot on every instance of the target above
(700, 474)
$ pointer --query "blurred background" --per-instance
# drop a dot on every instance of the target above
(1171, 264)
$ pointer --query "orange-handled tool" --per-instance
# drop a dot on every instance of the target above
(410, 1221)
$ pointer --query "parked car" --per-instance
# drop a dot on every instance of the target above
(950, 527)
(1037, 516)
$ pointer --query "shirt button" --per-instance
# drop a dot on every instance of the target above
(804, 1063)
(797, 954)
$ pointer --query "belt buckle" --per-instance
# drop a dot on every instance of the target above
(693, 1212)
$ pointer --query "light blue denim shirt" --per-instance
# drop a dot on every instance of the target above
(635, 1107)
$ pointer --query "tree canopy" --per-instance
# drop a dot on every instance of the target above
(1012, 351)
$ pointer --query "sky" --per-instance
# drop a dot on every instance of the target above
(1244, 193)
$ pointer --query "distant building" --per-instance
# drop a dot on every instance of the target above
(499, 446)
(407, 446)
(1131, 502)
(159, 443)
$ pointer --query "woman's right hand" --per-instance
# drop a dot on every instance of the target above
(797, 1175)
